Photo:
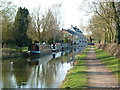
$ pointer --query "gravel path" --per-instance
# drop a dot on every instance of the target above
(99, 76)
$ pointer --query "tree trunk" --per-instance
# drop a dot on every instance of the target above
(116, 19)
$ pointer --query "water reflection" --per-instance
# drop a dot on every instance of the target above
(44, 72)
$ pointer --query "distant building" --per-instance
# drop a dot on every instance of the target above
(77, 36)
(71, 35)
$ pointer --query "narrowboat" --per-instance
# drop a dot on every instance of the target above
(43, 49)
(39, 49)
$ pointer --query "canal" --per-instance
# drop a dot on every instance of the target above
(37, 72)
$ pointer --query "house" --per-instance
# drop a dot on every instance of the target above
(78, 37)
(69, 34)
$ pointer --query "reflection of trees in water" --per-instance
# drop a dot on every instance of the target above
(21, 72)
(8, 76)
(50, 71)
(14, 72)
(35, 79)
(46, 74)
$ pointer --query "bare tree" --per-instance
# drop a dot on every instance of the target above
(7, 13)
(49, 25)
(104, 20)
(34, 28)
(46, 25)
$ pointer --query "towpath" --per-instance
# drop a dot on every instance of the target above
(99, 76)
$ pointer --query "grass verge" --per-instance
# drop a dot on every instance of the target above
(13, 52)
(111, 62)
(76, 77)
(17, 49)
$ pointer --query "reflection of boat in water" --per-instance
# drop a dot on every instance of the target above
(39, 60)
(33, 62)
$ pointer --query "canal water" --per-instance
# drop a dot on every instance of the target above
(37, 72)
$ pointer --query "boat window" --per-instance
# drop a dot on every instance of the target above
(34, 47)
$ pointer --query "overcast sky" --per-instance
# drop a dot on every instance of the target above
(71, 13)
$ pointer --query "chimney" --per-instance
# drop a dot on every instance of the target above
(71, 26)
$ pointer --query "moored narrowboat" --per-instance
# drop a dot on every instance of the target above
(43, 49)
(38, 49)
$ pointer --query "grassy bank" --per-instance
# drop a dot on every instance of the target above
(15, 49)
(13, 52)
(111, 62)
(76, 77)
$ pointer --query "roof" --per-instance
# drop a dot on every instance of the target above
(70, 31)
(77, 29)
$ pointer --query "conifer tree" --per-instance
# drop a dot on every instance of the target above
(21, 26)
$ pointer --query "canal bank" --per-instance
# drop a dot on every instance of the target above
(33, 49)
(77, 77)
(111, 48)
(95, 69)
(12, 53)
